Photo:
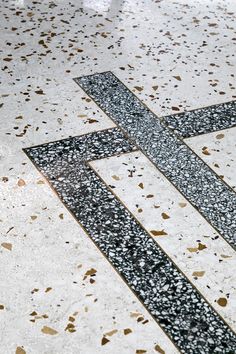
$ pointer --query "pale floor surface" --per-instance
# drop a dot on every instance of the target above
(174, 56)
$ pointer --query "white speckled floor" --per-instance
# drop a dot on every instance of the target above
(58, 293)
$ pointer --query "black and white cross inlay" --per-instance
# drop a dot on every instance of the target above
(176, 305)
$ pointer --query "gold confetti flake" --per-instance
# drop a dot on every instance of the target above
(7, 245)
(196, 249)
(175, 108)
(91, 121)
(220, 136)
(141, 185)
(177, 78)
(33, 217)
(165, 216)
(198, 274)
(20, 350)
(135, 314)
(91, 271)
(48, 289)
(35, 290)
(205, 151)
(158, 233)
(201, 246)
(1, 307)
(222, 301)
(40, 92)
(141, 351)
(182, 205)
(111, 333)
(61, 216)
(116, 178)
(138, 88)
(225, 256)
(70, 328)
(127, 331)
(159, 349)
(104, 341)
(192, 249)
(34, 313)
(49, 330)
(21, 182)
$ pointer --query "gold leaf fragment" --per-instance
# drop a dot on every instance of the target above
(69, 327)
(165, 216)
(91, 271)
(141, 351)
(177, 78)
(111, 333)
(159, 350)
(21, 182)
(48, 330)
(158, 232)
(34, 313)
(192, 249)
(48, 289)
(33, 217)
(61, 216)
(205, 151)
(127, 331)
(40, 92)
(141, 185)
(1, 307)
(91, 121)
(201, 246)
(220, 136)
(225, 256)
(198, 274)
(138, 88)
(104, 341)
(115, 177)
(134, 314)
(20, 350)
(7, 245)
(175, 108)
(182, 205)
(222, 301)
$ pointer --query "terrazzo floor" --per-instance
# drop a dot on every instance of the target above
(117, 177)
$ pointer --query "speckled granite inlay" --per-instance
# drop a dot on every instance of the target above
(177, 306)
(188, 173)
(203, 120)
